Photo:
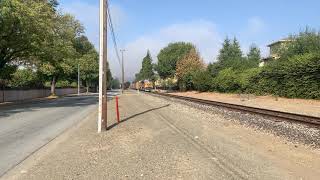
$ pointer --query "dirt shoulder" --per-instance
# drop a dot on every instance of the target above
(299, 106)
(159, 139)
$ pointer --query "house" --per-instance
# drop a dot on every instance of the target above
(275, 49)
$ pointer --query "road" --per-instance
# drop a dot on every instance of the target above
(24, 128)
(161, 139)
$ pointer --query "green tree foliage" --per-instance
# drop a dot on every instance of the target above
(169, 56)
(226, 81)
(59, 54)
(88, 61)
(24, 25)
(89, 68)
(25, 78)
(146, 71)
(201, 80)
(230, 56)
(34, 34)
(254, 56)
(190, 63)
(307, 41)
(115, 83)
(297, 77)
(82, 45)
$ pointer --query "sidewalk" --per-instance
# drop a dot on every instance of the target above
(158, 139)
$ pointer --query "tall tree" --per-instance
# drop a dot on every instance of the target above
(82, 45)
(89, 67)
(230, 56)
(254, 56)
(189, 64)
(24, 25)
(307, 41)
(224, 53)
(169, 56)
(58, 54)
(146, 71)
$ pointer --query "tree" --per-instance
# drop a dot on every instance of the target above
(88, 61)
(254, 56)
(58, 53)
(169, 56)
(115, 83)
(146, 71)
(230, 56)
(82, 45)
(186, 66)
(25, 78)
(307, 41)
(89, 67)
(24, 25)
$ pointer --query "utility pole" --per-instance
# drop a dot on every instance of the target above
(78, 79)
(102, 115)
(122, 67)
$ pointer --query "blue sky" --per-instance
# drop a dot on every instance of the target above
(151, 24)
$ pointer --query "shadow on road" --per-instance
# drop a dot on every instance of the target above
(135, 115)
(72, 101)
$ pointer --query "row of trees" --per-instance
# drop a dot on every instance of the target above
(39, 45)
(295, 74)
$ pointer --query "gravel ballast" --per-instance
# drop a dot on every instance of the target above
(293, 131)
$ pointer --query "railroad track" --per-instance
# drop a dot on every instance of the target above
(312, 120)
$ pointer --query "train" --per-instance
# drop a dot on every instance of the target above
(144, 85)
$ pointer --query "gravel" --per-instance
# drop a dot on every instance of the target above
(292, 131)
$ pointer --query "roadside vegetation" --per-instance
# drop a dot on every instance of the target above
(42, 47)
(296, 74)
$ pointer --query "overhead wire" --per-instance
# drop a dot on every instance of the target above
(113, 35)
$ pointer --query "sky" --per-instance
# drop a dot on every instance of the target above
(143, 25)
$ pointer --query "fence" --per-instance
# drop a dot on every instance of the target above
(20, 95)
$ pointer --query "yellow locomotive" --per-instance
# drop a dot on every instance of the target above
(144, 85)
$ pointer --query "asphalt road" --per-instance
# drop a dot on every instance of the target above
(24, 128)
(162, 139)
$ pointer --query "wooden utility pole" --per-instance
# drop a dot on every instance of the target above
(102, 116)
(122, 69)
(78, 79)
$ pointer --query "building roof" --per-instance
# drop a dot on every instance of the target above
(280, 41)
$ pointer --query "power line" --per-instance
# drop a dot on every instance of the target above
(113, 35)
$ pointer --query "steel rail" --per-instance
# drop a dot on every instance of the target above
(266, 112)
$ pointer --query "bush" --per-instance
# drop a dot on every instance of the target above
(186, 83)
(201, 80)
(244, 78)
(297, 77)
(226, 81)
(25, 78)
(63, 84)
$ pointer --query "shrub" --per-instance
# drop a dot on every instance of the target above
(63, 83)
(25, 78)
(226, 81)
(244, 78)
(297, 77)
(201, 80)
